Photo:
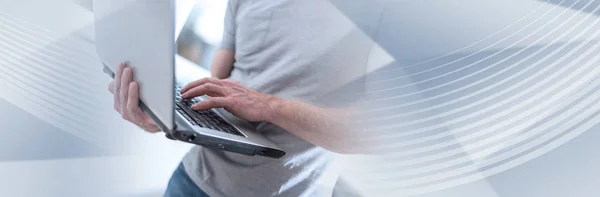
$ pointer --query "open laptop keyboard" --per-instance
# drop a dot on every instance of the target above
(205, 118)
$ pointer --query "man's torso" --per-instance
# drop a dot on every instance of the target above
(295, 50)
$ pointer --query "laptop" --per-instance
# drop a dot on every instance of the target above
(142, 32)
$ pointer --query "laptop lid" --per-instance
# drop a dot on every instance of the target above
(141, 32)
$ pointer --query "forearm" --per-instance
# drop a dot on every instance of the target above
(325, 127)
(222, 63)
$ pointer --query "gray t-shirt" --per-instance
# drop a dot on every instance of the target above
(294, 49)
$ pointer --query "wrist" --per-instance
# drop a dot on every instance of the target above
(274, 109)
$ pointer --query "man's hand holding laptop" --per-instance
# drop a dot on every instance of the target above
(126, 99)
(241, 101)
(325, 127)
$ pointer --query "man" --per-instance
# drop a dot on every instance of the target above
(277, 67)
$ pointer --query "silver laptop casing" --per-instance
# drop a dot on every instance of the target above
(142, 32)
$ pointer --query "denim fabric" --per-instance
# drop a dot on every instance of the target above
(181, 185)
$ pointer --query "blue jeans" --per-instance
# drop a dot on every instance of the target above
(181, 185)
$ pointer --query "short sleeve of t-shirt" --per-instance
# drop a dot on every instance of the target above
(229, 30)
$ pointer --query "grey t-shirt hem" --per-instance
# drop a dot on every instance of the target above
(189, 170)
